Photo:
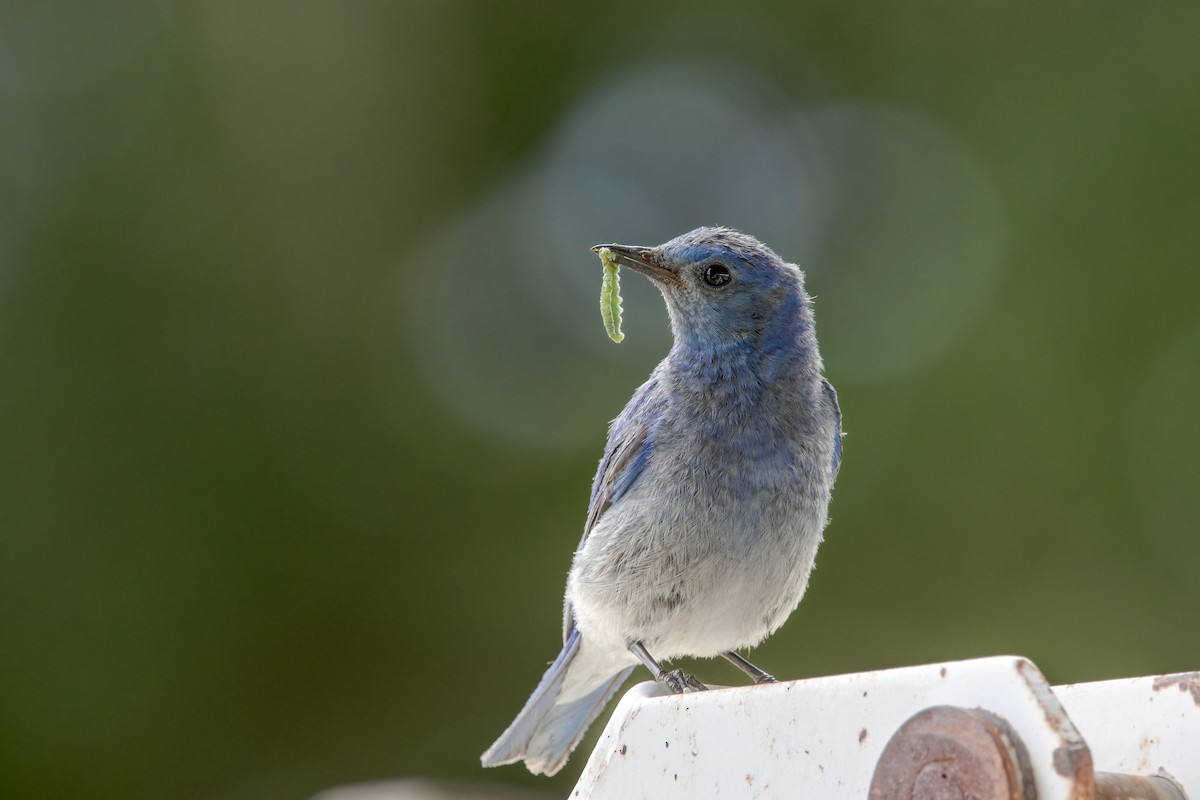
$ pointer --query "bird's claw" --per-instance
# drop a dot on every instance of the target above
(679, 682)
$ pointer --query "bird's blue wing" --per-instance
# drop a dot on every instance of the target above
(831, 395)
(630, 442)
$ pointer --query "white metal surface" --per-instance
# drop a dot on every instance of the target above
(821, 738)
(1140, 726)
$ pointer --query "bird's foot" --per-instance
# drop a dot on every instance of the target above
(679, 682)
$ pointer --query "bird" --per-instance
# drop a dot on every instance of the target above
(711, 496)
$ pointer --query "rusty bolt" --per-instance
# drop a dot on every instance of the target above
(1111, 786)
(949, 753)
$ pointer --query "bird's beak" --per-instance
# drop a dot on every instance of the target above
(644, 260)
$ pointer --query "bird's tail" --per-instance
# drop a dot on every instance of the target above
(570, 695)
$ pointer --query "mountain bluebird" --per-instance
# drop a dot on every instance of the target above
(711, 498)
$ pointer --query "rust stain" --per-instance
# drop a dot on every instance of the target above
(1064, 761)
(862, 736)
(1034, 679)
(1072, 761)
(1185, 681)
(1147, 744)
(750, 779)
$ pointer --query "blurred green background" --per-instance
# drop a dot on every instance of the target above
(303, 382)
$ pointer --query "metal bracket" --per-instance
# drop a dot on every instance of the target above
(993, 727)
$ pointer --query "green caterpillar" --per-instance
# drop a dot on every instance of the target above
(610, 295)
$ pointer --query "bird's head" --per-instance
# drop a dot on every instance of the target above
(723, 289)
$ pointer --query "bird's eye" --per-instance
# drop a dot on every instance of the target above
(716, 275)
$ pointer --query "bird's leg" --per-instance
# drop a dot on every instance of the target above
(748, 668)
(676, 680)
